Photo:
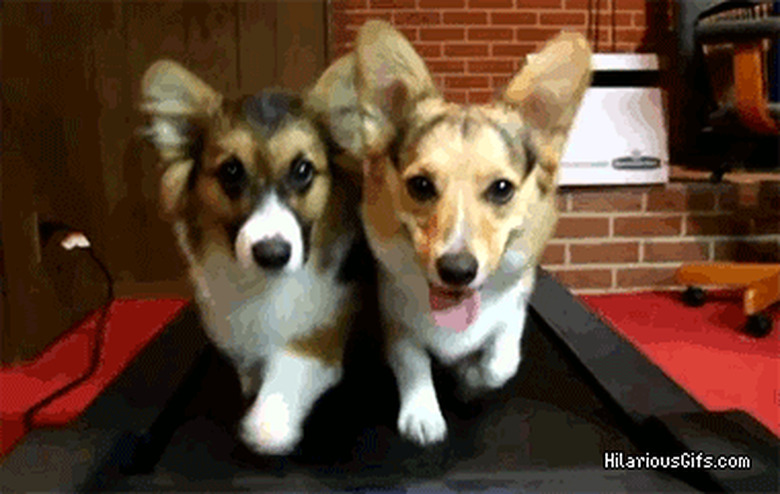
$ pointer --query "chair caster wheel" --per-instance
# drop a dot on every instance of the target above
(694, 296)
(758, 325)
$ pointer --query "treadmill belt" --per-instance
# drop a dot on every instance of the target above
(546, 430)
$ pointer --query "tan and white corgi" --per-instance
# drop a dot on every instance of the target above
(269, 227)
(458, 204)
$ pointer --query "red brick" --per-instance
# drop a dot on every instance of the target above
(535, 34)
(622, 19)
(344, 35)
(584, 278)
(604, 253)
(456, 96)
(468, 18)
(653, 226)
(746, 251)
(579, 227)
(491, 4)
(490, 66)
(442, 4)
(512, 50)
(554, 254)
(357, 19)
(515, 18)
(718, 225)
(630, 4)
(442, 34)
(769, 196)
(489, 33)
(480, 97)
(501, 80)
(631, 35)
(607, 201)
(561, 200)
(577, 4)
(416, 18)
(428, 50)
(447, 66)
(391, 4)
(681, 197)
(409, 32)
(339, 5)
(685, 251)
(539, 4)
(466, 82)
(465, 50)
(626, 47)
(645, 277)
(766, 225)
(739, 196)
(562, 18)
(640, 19)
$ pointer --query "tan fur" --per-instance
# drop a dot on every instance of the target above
(209, 210)
(282, 322)
(433, 176)
(393, 86)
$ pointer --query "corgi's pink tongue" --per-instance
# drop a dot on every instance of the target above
(454, 312)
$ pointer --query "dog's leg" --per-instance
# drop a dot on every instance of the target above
(248, 378)
(420, 419)
(499, 362)
(291, 385)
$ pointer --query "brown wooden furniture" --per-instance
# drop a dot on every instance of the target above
(743, 32)
(71, 150)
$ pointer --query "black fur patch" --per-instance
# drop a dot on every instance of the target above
(268, 109)
(195, 153)
(407, 138)
(358, 265)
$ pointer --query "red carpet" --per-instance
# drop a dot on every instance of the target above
(131, 325)
(702, 348)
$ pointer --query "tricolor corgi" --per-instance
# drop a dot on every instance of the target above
(269, 228)
(458, 203)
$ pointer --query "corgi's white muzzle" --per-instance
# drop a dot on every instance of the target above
(271, 239)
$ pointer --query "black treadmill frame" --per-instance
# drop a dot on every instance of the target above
(118, 428)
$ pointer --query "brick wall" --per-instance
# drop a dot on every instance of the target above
(627, 238)
(473, 47)
(609, 239)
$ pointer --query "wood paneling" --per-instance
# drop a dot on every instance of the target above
(71, 147)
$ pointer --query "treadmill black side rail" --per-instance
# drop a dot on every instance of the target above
(105, 437)
(663, 413)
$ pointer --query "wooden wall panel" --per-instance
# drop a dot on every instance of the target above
(72, 150)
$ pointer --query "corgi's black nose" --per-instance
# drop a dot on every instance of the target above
(272, 254)
(457, 269)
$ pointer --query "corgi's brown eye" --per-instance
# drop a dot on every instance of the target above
(421, 188)
(500, 191)
(232, 177)
(301, 174)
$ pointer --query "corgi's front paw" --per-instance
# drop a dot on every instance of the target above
(489, 374)
(269, 430)
(422, 423)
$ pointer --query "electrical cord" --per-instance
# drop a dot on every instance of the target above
(47, 231)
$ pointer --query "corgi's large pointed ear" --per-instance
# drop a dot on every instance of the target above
(390, 76)
(548, 92)
(334, 101)
(549, 89)
(174, 98)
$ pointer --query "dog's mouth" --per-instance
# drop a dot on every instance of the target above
(451, 308)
